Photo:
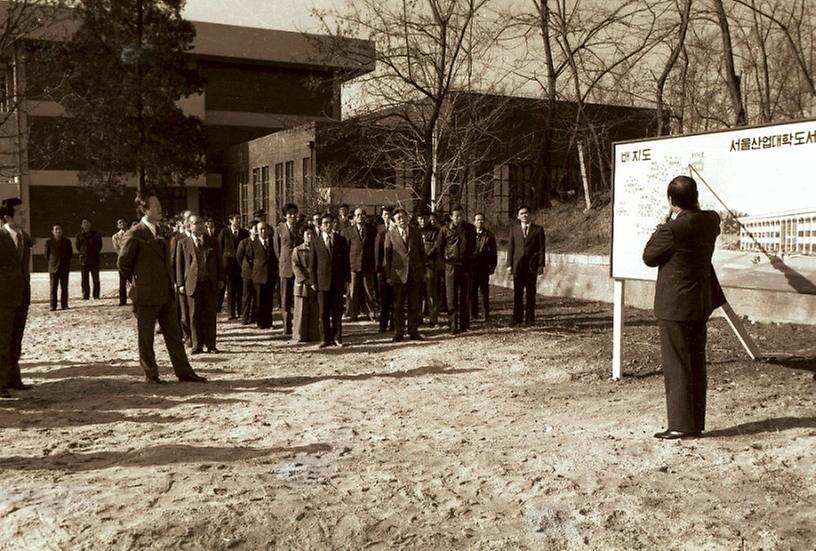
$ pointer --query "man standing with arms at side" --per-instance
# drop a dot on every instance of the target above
(686, 292)
(287, 237)
(58, 253)
(200, 277)
(15, 293)
(431, 241)
(260, 256)
(229, 240)
(385, 290)
(117, 238)
(330, 278)
(525, 262)
(182, 232)
(361, 237)
(248, 298)
(145, 261)
(89, 245)
(484, 264)
(405, 268)
(457, 247)
(343, 221)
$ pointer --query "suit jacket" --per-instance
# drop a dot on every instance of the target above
(302, 268)
(15, 278)
(404, 259)
(89, 245)
(361, 247)
(330, 268)
(175, 239)
(228, 242)
(526, 255)
(262, 261)
(285, 242)
(146, 262)
(432, 240)
(58, 254)
(485, 258)
(188, 267)
(687, 288)
(240, 257)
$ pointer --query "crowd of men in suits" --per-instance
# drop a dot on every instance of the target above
(319, 269)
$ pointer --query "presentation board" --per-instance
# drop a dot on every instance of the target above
(762, 182)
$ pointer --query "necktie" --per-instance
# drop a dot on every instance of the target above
(329, 242)
(19, 244)
(524, 230)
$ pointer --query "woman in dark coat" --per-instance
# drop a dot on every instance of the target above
(305, 327)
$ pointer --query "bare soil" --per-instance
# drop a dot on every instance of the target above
(500, 439)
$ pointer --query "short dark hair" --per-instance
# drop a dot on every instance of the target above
(290, 208)
(84, 218)
(141, 203)
(234, 214)
(479, 214)
(525, 207)
(454, 208)
(387, 208)
(8, 205)
(258, 213)
(344, 206)
(57, 224)
(401, 211)
(682, 192)
(326, 215)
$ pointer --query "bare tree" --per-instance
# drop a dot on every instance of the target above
(674, 55)
(732, 79)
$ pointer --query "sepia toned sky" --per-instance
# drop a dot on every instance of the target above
(287, 15)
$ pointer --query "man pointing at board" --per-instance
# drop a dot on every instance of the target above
(686, 293)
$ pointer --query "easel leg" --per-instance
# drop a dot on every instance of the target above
(739, 330)
(617, 330)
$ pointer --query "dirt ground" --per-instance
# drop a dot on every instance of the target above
(500, 439)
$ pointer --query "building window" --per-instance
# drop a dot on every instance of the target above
(307, 163)
(279, 192)
(290, 181)
(256, 189)
(265, 188)
(243, 192)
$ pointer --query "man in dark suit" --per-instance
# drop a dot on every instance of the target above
(182, 232)
(458, 245)
(384, 289)
(260, 255)
(248, 299)
(229, 240)
(330, 276)
(287, 237)
(484, 264)
(146, 262)
(405, 267)
(686, 292)
(15, 293)
(89, 247)
(58, 254)
(200, 277)
(361, 237)
(525, 262)
(342, 220)
(431, 240)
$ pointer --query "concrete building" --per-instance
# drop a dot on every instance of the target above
(791, 232)
(258, 81)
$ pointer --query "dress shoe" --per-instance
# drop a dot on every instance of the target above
(53, 309)
(153, 381)
(338, 344)
(192, 378)
(4, 393)
(324, 345)
(675, 435)
(416, 337)
(196, 351)
(396, 338)
(213, 350)
(20, 386)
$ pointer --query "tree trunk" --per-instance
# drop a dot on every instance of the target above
(675, 53)
(731, 77)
